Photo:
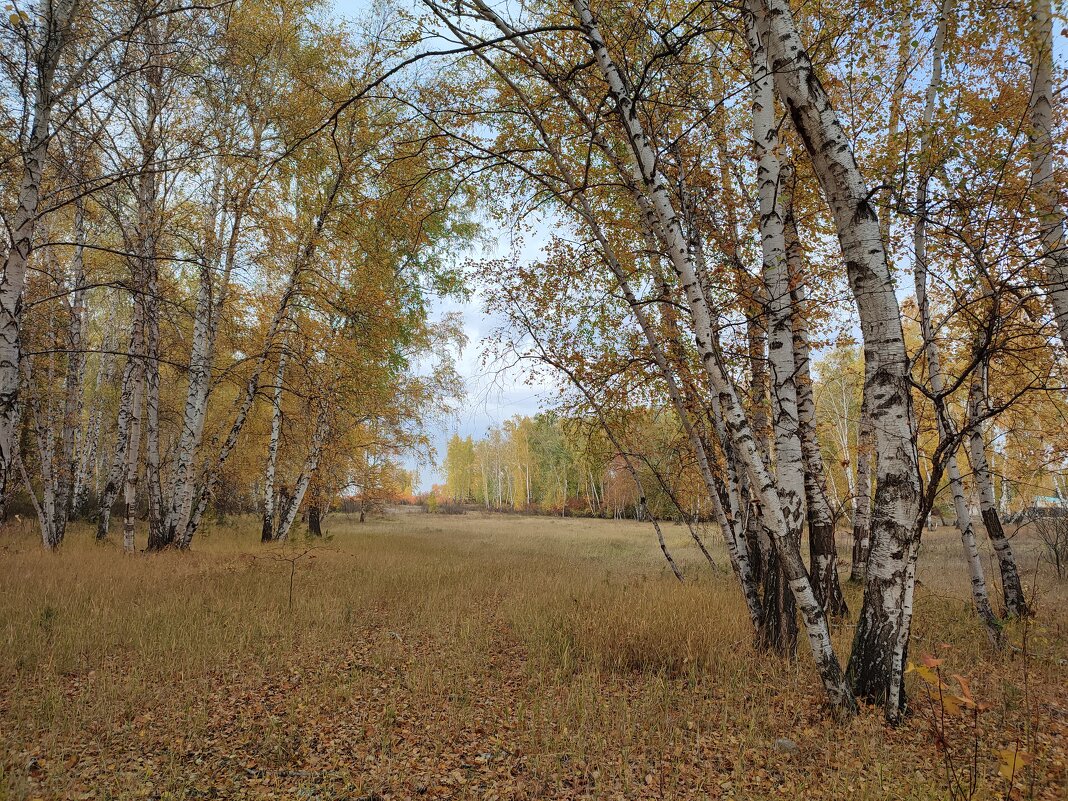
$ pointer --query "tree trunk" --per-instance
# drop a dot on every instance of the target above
(946, 432)
(876, 667)
(311, 464)
(129, 401)
(153, 479)
(668, 228)
(756, 336)
(131, 451)
(55, 25)
(73, 443)
(1012, 587)
(1050, 214)
(92, 455)
(823, 555)
(780, 615)
(862, 515)
(267, 528)
(302, 261)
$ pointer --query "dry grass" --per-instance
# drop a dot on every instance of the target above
(466, 657)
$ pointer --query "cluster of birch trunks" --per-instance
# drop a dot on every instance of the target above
(196, 243)
(709, 165)
(630, 121)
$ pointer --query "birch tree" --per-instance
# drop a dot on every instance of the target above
(45, 37)
(946, 430)
(876, 666)
(1041, 134)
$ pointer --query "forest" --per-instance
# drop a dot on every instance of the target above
(792, 279)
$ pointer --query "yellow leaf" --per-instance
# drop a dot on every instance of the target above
(952, 704)
(928, 675)
(1012, 762)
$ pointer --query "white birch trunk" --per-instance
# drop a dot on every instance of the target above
(128, 394)
(789, 468)
(669, 228)
(946, 432)
(55, 25)
(74, 404)
(823, 555)
(862, 514)
(302, 261)
(211, 300)
(311, 464)
(1050, 214)
(267, 532)
(132, 449)
(877, 663)
(1015, 600)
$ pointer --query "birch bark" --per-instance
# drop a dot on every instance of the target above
(56, 27)
(311, 464)
(1012, 588)
(130, 467)
(1043, 181)
(129, 401)
(862, 516)
(74, 394)
(655, 190)
(723, 494)
(779, 611)
(267, 530)
(823, 556)
(212, 294)
(876, 667)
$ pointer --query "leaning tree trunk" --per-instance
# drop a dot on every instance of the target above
(946, 432)
(653, 187)
(1012, 587)
(823, 555)
(211, 300)
(1043, 180)
(55, 26)
(311, 464)
(43, 422)
(302, 261)
(876, 666)
(724, 494)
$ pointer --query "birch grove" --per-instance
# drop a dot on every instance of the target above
(799, 276)
(635, 185)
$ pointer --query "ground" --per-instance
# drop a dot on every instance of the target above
(482, 657)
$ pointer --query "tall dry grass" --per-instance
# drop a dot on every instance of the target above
(418, 645)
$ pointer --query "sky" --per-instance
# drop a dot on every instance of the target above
(494, 392)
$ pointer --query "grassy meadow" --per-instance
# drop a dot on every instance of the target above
(479, 657)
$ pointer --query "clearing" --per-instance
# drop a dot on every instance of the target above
(477, 656)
